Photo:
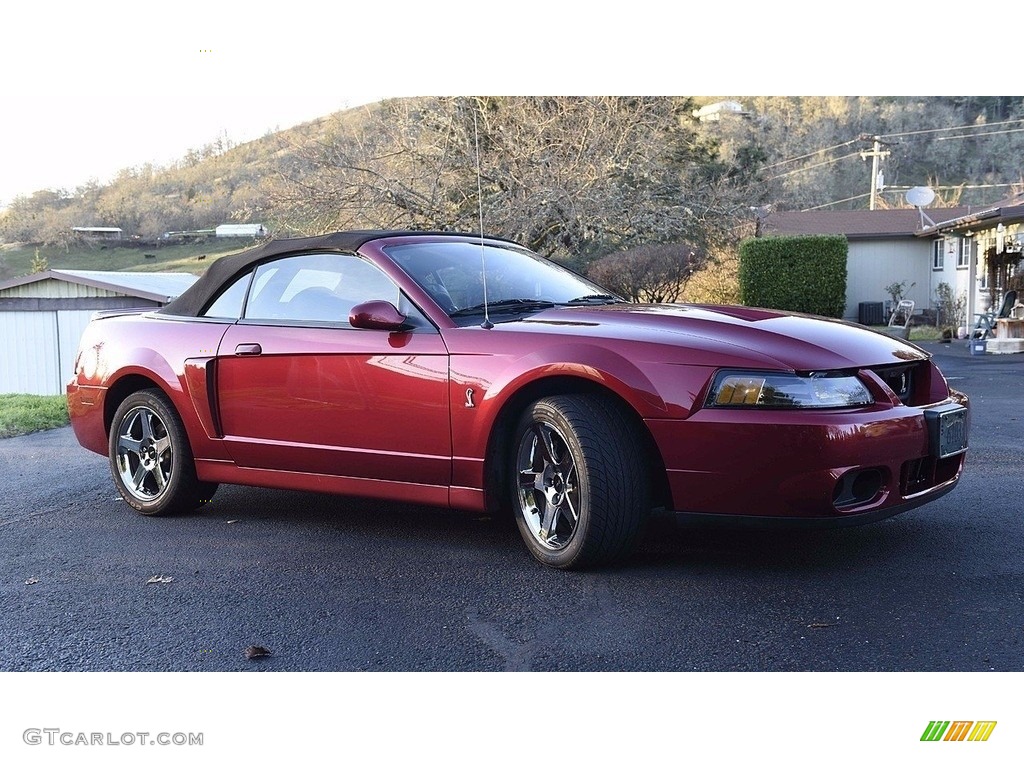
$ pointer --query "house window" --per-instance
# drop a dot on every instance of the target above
(938, 254)
(963, 258)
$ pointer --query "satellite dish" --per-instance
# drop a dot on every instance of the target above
(920, 196)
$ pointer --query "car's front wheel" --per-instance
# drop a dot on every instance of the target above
(579, 481)
(150, 457)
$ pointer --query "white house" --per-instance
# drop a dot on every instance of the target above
(42, 317)
(965, 249)
(885, 247)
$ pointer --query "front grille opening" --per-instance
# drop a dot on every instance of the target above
(857, 488)
(905, 380)
(946, 469)
(919, 475)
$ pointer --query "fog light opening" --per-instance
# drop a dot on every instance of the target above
(857, 488)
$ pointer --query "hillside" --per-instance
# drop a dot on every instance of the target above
(16, 259)
(211, 185)
(563, 175)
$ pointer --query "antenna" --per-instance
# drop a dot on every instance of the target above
(487, 324)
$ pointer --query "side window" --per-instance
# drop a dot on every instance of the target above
(318, 288)
(229, 304)
(963, 259)
(938, 254)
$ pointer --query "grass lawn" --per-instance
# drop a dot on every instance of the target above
(925, 333)
(16, 258)
(21, 414)
(917, 332)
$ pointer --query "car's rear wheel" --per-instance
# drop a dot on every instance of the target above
(150, 457)
(579, 481)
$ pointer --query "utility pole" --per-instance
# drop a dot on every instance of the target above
(875, 153)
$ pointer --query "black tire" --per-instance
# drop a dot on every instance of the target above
(151, 459)
(578, 481)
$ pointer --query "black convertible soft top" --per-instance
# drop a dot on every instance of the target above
(224, 270)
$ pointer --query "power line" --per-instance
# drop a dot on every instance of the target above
(962, 186)
(903, 189)
(811, 167)
(952, 128)
(973, 135)
(905, 133)
(812, 154)
(973, 126)
(836, 202)
(877, 153)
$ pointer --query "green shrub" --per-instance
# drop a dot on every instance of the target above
(805, 273)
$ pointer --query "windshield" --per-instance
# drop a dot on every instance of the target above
(517, 280)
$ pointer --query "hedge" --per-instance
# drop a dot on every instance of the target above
(805, 273)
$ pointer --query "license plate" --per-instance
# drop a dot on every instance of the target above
(947, 430)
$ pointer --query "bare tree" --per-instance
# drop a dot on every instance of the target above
(567, 176)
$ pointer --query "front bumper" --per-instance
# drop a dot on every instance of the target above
(804, 468)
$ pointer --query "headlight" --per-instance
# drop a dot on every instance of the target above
(757, 389)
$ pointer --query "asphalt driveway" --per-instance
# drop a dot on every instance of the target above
(327, 583)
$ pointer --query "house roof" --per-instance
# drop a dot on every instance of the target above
(1005, 211)
(856, 225)
(153, 286)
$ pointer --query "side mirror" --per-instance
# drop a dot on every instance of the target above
(377, 316)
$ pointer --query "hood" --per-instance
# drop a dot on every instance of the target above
(703, 334)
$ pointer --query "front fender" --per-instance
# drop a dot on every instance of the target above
(585, 361)
(483, 386)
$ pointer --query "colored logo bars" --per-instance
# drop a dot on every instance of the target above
(958, 730)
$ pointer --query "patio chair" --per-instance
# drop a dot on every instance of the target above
(899, 321)
(985, 323)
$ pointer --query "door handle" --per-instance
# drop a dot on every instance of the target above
(248, 350)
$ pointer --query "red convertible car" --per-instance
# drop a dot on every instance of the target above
(468, 372)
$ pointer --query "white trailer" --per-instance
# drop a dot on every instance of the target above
(241, 230)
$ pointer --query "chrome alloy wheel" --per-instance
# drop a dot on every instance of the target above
(144, 455)
(549, 496)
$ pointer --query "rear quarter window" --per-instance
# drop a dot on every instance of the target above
(229, 304)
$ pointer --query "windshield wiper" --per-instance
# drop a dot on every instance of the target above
(596, 298)
(504, 305)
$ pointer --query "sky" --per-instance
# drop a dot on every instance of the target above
(116, 89)
(97, 87)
